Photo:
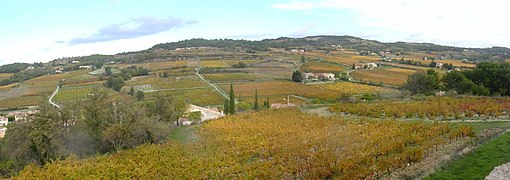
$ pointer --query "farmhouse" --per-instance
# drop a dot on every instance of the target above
(206, 114)
(4, 121)
(439, 65)
(369, 66)
(86, 67)
(282, 105)
(319, 76)
(75, 62)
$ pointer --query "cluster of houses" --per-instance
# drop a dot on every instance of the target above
(369, 66)
(319, 76)
(18, 115)
(297, 50)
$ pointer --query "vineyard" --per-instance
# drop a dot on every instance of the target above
(166, 83)
(205, 96)
(5, 76)
(391, 76)
(283, 144)
(68, 94)
(354, 88)
(432, 108)
(321, 67)
(219, 77)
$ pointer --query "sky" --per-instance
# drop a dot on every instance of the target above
(40, 31)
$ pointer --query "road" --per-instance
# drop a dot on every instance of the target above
(214, 86)
(51, 98)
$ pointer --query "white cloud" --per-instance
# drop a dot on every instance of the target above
(303, 31)
(468, 23)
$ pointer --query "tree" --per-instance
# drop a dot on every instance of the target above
(457, 81)
(108, 70)
(256, 102)
(353, 66)
(166, 108)
(232, 101)
(303, 59)
(266, 103)
(140, 95)
(165, 74)
(433, 64)
(131, 91)
(493, 75)
(35, 139)
(297, 76)
(422, 83)
(115, 82)
(226, 108)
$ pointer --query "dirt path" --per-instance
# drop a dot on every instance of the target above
(51, 98)
(216, 88)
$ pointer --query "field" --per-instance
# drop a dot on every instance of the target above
(322, 91)
(443, 108)
(202, 97)
(479, 163)
(34, 91)
(162, 65)
(180, 82)
(391, 76)
(321, 67)
(69, 94)
(222, 77)
(5, 76)
(21, 101)
(347, 58)
(283, 144)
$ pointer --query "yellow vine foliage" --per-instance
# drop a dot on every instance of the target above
(280, 144)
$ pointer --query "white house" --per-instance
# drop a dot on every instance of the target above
(326, 76)
(86, 67)
(439, 65)
(75, 62)
(206, 113)
(4, 121)
(309, 76)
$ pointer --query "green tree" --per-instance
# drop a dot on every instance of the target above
(165, 74)
(256, 102)
(297, 76)
(422, 83)
(35, 139)
(266, 103)
(108, 70)
(353, 66)
(433, 64)
(140, 95)
(131, 91)
(303, 59)
(232, 101)
(115, 82)
(167, 108)
(226, 108)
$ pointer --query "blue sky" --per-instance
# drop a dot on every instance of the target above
(39, 31)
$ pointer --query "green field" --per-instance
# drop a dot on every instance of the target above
(68, 94)
(479, 163)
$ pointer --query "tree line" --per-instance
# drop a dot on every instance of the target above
(101, 124)
(487, 78)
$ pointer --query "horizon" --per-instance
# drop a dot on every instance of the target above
(69, 29)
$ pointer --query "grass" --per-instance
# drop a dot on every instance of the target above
(479, 163)
(321, 67)
(182, 133)
(391, 76)
(480, 126)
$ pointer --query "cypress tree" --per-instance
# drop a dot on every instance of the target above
(226, 109)
(232, 104)
(256, 106)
